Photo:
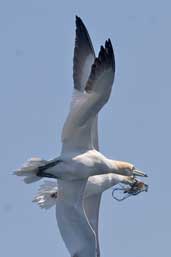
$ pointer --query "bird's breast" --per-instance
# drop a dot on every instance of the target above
(81, 166)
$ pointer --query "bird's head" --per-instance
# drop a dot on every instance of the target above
(128, 169)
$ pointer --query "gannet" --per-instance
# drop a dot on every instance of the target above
(80, 157)
(49, 193)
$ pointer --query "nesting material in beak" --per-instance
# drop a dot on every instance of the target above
(139, 186)
(145, 187)
(125, 192)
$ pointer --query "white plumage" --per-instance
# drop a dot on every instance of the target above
(49, 193)
(77, 207)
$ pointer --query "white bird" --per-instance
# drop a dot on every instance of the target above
(80, 157)
(49, 193)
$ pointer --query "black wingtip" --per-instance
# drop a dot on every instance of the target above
(77, 18)
(108, 43)
(109, 47)
(78, 21)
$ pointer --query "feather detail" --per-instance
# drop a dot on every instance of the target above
(29, 170)
(47, 195)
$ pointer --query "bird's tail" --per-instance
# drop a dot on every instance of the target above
(30, 169)
(47, 195)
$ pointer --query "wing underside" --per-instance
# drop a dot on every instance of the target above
(73, 224)
(80, 129)
(93, 79)
(92, 207)
(84, 56)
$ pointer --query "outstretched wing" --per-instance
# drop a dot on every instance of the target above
(74, 227)
(77, 132)
(84, 56)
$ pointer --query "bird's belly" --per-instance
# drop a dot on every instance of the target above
(72, 170)
(82, 169)
(81, 166)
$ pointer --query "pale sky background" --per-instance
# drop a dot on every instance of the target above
(36, 51)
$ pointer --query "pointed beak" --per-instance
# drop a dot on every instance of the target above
(139, 173)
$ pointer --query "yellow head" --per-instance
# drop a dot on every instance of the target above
(128, 169)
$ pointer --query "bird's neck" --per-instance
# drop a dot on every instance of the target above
(118, 167)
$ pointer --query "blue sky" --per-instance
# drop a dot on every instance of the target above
(36, 51)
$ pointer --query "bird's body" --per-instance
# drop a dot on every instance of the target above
(80, 158)
(76, 166)
(50, 192)
(60, 195)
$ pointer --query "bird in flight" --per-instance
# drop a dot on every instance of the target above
(49, 194)
(80, 161)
